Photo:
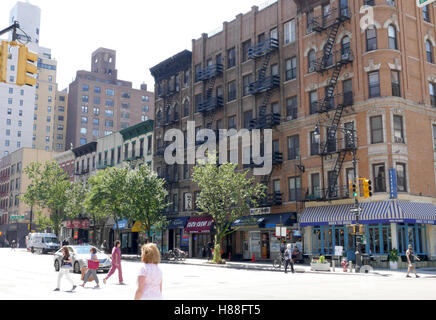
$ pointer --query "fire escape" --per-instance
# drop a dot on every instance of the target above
(334, 60)
(265, 85)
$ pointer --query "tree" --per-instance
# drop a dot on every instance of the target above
(225, 195)
(75, 206)
(47, 189)
(107, 195)
(146, 196)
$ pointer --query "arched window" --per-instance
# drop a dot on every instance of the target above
(168, 114)
(328, 59)
(345, 45)
(176, 112)
(159, 117)
(371, 39)
(429, 51)
(392, 35)
(312, 60)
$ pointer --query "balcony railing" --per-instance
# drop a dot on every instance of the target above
(336, 15)
(336, 193)
(210, 72)
(268, 121)
(263, 85)
(343, 57)
(345, 99)
(211, 104)
(271, 200)
(263, 48)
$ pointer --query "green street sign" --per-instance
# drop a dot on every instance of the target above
(17, 218)
(423, 3)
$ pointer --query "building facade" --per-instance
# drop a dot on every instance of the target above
(314, 73)
(100, 104)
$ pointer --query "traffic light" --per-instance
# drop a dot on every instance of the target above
(76, 235)
(4, 53)
(354, 189)
(367, 188)
(26, 67)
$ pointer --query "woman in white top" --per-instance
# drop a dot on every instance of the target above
(149, 276)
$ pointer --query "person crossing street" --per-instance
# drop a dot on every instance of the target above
(116, 263)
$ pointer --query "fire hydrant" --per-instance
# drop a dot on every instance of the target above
(344, 265)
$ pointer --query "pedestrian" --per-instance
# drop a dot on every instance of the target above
(116, 263)
(7, 243)
(150, 275)
(282, 249)
(64, 243)
(288, 259)
(92, 270)
(411, 261)
(66, 266)
(104, 246)
(209, 251)
(13, 245)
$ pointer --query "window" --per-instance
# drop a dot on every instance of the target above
(426, 13)
(379, 178)
(20, 123)
(97, 90)
(345, 46)
(313, 98)
(312, 61)
(376, 124)
(309, 22)
(61, 109)
(85, 98)
(231, 58)
(275, 107)
(293, 147)
(247, 80)
(9, 111)
(398, 129)
(434, 137)
(248, 116)
(96, 111)
(109, 102)
(232, 122)
(291, 69)
(85, 88)
(294, 189)
(197, 71)
(95, 121)
(273, 34)
(315, 186)
(292, 108)
(84, 120)
(110, 92)
(432, 88)
(97, 100)
(429, 51)
(290, 34)
(84, 109)
(371, 39)
(392, 34)
(95, 133)
(186, 78)
(232, 91)
(374, 84)
(110, 113)
(83, 131)
(349, 135)
(109, 123)
(401, 177)
(245, 47)
(275, 69)
(186, 108)
(395, 81)
(198, 100)
(83, 141)
(149, 144)
(314, 144)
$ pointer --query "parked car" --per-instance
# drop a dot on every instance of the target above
(80, 256)
(43, 243)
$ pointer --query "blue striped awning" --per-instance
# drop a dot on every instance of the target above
(373, 212)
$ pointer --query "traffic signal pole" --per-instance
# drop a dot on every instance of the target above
(12, 28)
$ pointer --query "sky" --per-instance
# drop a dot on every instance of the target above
(143, 32)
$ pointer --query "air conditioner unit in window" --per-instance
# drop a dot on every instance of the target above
(312, 69)
(346, 56)
(289, 118)
(399, 140)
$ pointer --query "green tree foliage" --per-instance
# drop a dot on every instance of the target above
(146, 196)
(48, 190)
(225, 195)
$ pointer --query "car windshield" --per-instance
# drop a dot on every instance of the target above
(50, 240)
(83, 250)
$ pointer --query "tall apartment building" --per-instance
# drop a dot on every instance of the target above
(60, 121)
(17, 103)
(100, 104)
(45, 102)
(310, 70)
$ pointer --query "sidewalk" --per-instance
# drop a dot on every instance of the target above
(267, 266)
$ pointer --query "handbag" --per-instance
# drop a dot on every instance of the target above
(93, 265)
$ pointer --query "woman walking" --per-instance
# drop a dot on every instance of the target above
(149, 276)
(92, 270)
(66, 266)
(116, 263)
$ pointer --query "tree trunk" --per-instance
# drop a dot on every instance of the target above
(217, 250)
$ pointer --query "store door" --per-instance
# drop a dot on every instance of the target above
(171, 239)
(246, 250)
(265, 246)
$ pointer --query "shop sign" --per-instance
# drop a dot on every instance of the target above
(77, 224)
(393, 183)
(281, 231)
(260, 211)
(423, 3)
(137, 227)
(188, 201)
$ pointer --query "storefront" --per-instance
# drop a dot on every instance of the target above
(199, 229)
(129, 240)
(258, 237)
(387, 225)
(177, 238)
(77, 231)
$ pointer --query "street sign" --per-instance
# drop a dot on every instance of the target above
(17, 217)
(423, 3)
(260, 211)
(393, 183)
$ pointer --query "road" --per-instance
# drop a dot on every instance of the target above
(24, 276)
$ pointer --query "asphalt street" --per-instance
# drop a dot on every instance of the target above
(26, 276)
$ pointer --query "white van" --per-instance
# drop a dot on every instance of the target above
(43, 243)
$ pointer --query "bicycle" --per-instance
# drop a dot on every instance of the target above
(279, 262)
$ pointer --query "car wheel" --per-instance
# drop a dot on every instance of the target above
(32, 250)
(76, 267)
(57, 266)
(42, 251)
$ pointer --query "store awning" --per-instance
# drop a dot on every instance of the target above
(266, 220)
(199, 225)
(373, 212)
(179, 222)
(122, 224)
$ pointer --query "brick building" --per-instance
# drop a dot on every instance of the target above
(298, 66)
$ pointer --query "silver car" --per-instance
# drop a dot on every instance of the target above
(80, 256)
